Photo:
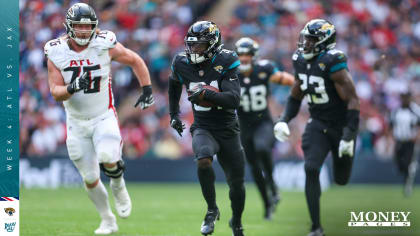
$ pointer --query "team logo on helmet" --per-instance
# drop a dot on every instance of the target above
(218, 68)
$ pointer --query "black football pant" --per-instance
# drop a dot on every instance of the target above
(231, 157)
(404, 151)
(318, 140)
(258, 143)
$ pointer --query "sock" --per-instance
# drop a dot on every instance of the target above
(313, 193)
(99, 197)
(116, 182)
(268, 171)
(237, 198)
(261, 183)
(207, 177)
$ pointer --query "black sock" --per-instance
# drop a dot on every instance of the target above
(207, 177)
(313, 193)
(237, 198)
(268, 165)
(261, 184)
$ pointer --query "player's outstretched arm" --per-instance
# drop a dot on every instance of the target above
(126, 56)
(347, 92)
(283, 78)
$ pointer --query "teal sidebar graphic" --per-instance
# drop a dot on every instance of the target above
(9, 98)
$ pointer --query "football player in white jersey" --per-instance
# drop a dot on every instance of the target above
(79, 74)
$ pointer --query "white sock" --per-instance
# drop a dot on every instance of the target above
(99, 197)
(117, 182)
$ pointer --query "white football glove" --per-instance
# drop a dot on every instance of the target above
(345, 148)
(281, 131)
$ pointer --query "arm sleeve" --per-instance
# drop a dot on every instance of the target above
(291, 110)
(174, 90)
(229, 97)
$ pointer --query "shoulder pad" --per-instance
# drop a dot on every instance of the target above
(104, 39)
(336, 60)
(228, 59)
(263, 62)
(53, 47)
(334, 52)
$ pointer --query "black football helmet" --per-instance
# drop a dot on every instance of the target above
(80, 13)
(202, 41)
(246, 46)
(317, 35)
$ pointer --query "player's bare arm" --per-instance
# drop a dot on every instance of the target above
(126, 56)
(56, 82)
(345, 89)
(283, 78)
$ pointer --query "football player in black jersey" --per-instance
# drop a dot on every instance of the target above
(215, 130)
(322, 76)
(255, 119)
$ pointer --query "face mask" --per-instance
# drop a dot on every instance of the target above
(244, 67)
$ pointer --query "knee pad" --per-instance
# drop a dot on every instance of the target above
(114, 173)
(205, 151)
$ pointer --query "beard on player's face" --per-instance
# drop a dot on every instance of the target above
(82, 31)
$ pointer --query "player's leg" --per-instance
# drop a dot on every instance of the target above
(264, 141)
(407, 166)
(108, 146)
(256, 170)
(81, 152)
(315, 146)
(232, 159)
(204, 147)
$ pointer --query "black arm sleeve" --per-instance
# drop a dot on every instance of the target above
(352, 125)
(291, 110)
(175, 90)
(230, 96)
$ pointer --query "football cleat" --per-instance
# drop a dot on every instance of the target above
(237, 230)
(107, 226)
(207, 227)
(122, 201)
(317, 232)
(268, 212)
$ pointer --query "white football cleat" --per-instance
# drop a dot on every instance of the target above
(107, 226)
(122, 201)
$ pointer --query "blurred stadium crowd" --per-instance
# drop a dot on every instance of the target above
(155, 30)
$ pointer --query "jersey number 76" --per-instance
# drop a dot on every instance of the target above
(93, 84)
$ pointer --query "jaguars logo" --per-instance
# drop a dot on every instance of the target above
(262, 75)
(218, 69)
(10, 211)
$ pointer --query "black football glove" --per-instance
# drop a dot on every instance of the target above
(194, 93)
(176, 123)
(78, 84)
(146, 99)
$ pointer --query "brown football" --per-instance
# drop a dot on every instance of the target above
(204, 103)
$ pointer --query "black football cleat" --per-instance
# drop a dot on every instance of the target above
(207, 227)
(237, 230)
(268, 212)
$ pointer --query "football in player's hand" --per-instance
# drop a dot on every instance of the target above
(202, 102)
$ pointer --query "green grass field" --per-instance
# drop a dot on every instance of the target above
(178, 210)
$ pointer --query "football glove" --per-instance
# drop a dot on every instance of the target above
(78, 84)
(176, 124)
(281, 131)
(194, 93)
(345, 148)
(146, 99)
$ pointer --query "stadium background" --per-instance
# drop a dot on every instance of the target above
(155, 30)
